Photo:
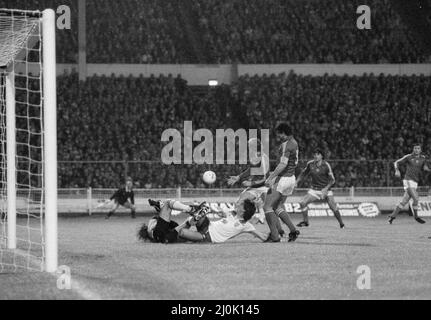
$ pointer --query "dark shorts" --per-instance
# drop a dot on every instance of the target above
(164, 231)
(203, 227)
(120, 202)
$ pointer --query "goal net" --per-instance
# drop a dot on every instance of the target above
(28, 195)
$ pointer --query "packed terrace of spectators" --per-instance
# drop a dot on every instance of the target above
(234, 31)
(122, 119)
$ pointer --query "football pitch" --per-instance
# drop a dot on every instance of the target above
(107, 262)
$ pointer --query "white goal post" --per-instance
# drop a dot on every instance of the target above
(28, 195)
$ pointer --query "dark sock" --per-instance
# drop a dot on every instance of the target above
(279, 227)
(305, 214)
(395, 212)
(415, 212)
(284, 216)
(271, 219)
(337, 215)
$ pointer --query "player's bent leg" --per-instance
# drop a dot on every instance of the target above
(304, 209)
(285, 187)
(284, 216)
(279, 227)
(191, 235)
(271, 201)
(399, 207)
(415, 197)
(333, 206)
(111, 212)
(130, 206)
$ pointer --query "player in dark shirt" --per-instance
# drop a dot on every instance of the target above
(124, 197)
(416, 164)
(253, 179)
(322, 180)
(281, 183)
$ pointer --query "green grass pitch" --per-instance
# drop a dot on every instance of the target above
(107, 262)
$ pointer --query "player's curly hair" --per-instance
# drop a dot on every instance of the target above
(143, 233)
(249, 209)
(319, 151)
(284, 128)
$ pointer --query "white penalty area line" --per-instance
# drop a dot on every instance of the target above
(83, 291)
(76, 286)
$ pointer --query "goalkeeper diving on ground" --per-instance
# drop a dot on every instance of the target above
(161, 228)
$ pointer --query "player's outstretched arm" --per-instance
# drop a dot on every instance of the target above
(331, 177)
(397, 163)
(257, 183)
(254, 184)
(281, 166)
(235, 179)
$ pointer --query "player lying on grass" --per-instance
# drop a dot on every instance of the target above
(322, 180)
(124, 197)
(253, 179)
(161, 228)
(232, 225)
(416, 164)
(281, 183)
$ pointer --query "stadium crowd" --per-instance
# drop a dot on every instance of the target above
(122, 118)
(234, 31)
(117, 118)
(118, 121)
(297, 31)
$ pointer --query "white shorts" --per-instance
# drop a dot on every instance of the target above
(285, 185)
(319, 194)
(410, 184)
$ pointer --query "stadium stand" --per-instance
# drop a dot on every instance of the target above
(238, 31)
(297, 31)
(365, 111)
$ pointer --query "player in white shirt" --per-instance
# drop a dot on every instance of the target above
(233, 224)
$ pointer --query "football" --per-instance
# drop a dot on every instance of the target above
(209, 177)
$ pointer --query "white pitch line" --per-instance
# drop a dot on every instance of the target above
(76, 285)
(83, 291)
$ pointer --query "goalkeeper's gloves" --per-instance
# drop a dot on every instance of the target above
(200, 211)
(156, 204)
